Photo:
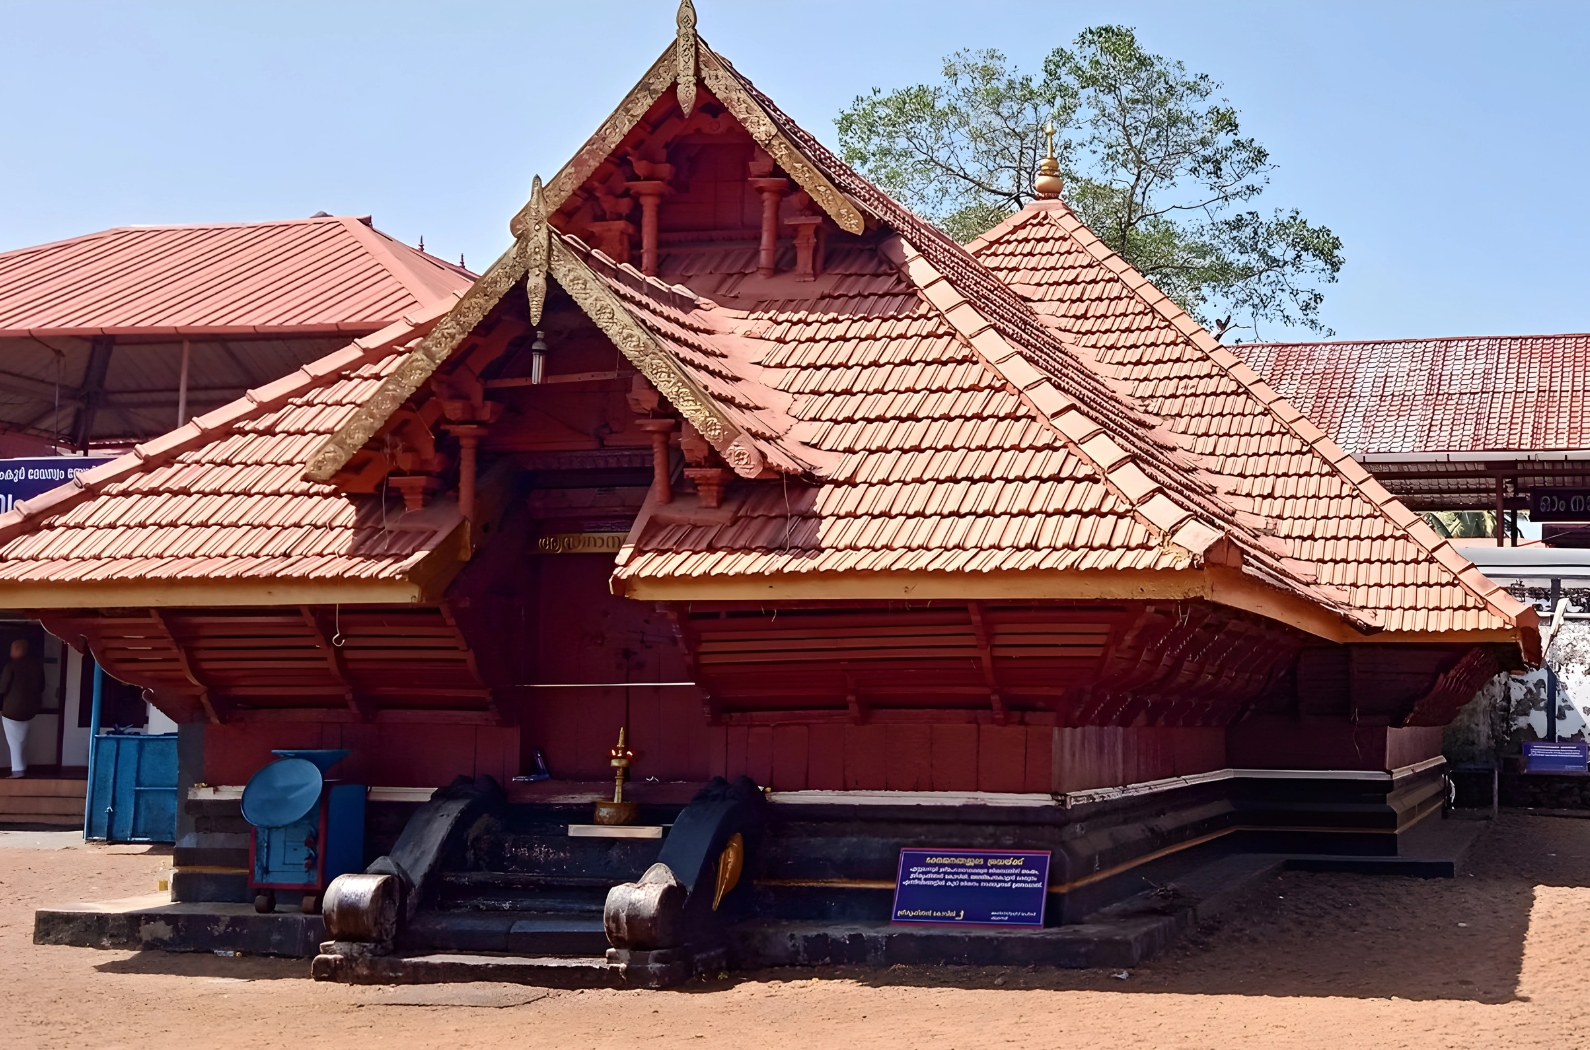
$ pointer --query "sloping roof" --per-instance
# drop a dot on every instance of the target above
(923, 412)
(222, 500)
(326, 274)
(1325, 509)
(1525, 393)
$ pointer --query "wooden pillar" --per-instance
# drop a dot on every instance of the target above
(469, 437)
(772, 191)
(650, 192)
(659, 430)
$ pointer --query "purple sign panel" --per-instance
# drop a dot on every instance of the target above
(1542, 757)
(22, 479)
(971, 887)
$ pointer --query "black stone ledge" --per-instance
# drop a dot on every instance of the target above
(152, 922)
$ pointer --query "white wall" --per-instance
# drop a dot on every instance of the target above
(74, 742)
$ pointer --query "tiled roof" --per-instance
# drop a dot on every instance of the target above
(224, 497)
(321, 275)
(1044, 408)
(935, 463)
(1325, 509)
(702, 340)
(1528, 393)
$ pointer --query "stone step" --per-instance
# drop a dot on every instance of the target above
(57, 801)
(551, 852)
(592, 971)
(553, 900)
(517, 932)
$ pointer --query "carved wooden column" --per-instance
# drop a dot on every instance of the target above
(772, 191)
(659, 429)
(416, 489)
(710, 483)
(649, 192)
(468, 436)
(807, 228)
(613, 238)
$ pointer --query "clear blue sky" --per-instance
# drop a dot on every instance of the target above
(1445, 142)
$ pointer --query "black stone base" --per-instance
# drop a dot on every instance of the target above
(141, 924)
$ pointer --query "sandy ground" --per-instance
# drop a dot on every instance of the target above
(1494, 958)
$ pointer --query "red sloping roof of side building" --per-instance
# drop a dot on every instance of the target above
(1516, 393)
(327, 274)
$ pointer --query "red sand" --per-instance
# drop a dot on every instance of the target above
(1495, 958)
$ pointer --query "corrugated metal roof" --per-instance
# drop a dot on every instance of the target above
(1520, 393)
(331, 274)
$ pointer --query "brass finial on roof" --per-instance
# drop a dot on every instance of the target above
(1048, 184)
(685, 56)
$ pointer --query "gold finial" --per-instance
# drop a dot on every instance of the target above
(685, 56)
(1048, 184)
(536, 265)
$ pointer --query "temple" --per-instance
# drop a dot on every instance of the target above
(939, 545)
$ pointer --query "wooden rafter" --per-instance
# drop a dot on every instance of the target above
(335, 662)
(985, 653)
(214, 707)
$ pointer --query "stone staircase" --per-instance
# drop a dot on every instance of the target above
(523, 885)
(43, 800)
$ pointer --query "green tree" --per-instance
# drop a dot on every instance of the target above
(1153, 161)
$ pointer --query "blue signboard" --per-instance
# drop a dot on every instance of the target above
(971, 887)
(1543, 757)
(22, 479)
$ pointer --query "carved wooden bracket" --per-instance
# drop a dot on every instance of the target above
(726, 88)
(668, 72)
(420, 362)
(599, 304)
(653, 362)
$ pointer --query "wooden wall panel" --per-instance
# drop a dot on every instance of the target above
(383, 755)
(909, 758)
(791, 752)
(1412, 744)
(1001, 758)
(954, 757)
(1040, 759)
(866, 758)
(759, 754)
(825, 760)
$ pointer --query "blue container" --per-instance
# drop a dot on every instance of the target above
(307, 830)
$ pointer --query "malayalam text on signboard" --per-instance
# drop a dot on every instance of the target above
(22, 479)
(976, 887)
(1559, 505)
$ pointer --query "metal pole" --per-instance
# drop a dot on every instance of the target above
(1501, 514)
(93, 739)
(182, 384)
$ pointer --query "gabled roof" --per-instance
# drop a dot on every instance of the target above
(1324, 508)
(1518, 393)
(218, 511)
(1031, 418)
(327, 274)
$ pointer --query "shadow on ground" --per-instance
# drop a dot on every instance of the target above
(202, 964)
(1331, 934)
